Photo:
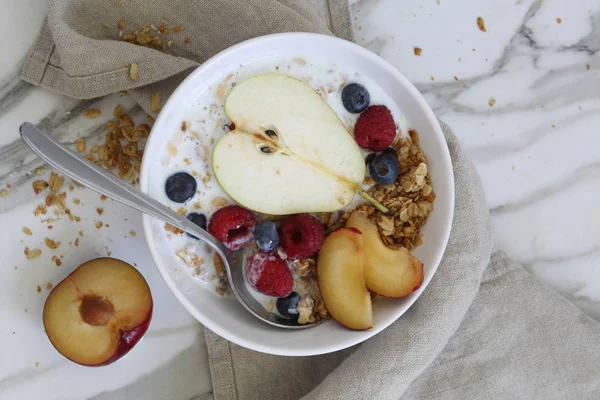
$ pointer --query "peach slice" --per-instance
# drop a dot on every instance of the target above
(388, 272)
(341, 279)
(99, 312)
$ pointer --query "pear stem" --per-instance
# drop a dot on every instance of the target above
(377, 204)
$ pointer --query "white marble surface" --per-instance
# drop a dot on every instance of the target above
(536, 149)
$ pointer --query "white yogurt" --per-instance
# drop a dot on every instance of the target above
(205, 122)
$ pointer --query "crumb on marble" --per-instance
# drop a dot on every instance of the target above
(32, 253)
(418, 51)
(80, 144)
(492, 102)
(92, 113)
(559, 20)
(51, 243)
(481, 24)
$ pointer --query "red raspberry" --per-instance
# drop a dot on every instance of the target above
(232, 225)
(301, 235)
(269, 274)
(375, 129)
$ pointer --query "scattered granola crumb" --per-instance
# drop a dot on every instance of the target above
(49, 285)
(133, 71)
(76, 201)
(418, 51)
(81, 145)
(39, 289)
(492, 102)
(33, 253)
(173, 229)
(302, 61)
(71, 188)
(103, 197)
(155, 102)
(481, 24)
(80, 233)
(219, 202)
(118, 111)
(432, 78)
(51, 243)
(57, 261)
(39, 171)
(132, 233)
(76, 242)
(218, 264)
(121, 24)
(559, 20)
(99, 224)
(27, 231)
(92, 113)
(455, 78)
(107, 26)
(37, 364)
(187, 40)
(99, 210)
(39, 186)
(4, 193)
(177, 28)
(587, 67)
(184, 126)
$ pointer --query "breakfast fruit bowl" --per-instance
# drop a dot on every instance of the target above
(341, 192)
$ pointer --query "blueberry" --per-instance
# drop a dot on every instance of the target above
(198, 219)
(266, 236)
(180, 187)
(288, 306)
(355, 98)
(384, 168)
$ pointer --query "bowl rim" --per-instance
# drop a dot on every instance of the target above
(445, 161)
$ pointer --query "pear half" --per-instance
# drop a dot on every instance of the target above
(289, 152)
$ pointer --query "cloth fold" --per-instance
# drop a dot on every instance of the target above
(80, 51)
(483, 328)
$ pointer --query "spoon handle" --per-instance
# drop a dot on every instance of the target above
(96, 178)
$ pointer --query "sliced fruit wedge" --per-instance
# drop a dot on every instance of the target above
(289, 152)
(388, 272)
(341, 279)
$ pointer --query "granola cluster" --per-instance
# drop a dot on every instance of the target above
(409, 199)
(311, 307)
(123, 146)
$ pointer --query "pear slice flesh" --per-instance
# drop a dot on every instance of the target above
(289, 152)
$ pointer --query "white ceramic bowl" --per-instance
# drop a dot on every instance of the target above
(225, 316)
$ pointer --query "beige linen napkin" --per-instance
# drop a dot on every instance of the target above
(483, 328)
(81, 52)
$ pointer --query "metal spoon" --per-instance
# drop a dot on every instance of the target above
(96, 178)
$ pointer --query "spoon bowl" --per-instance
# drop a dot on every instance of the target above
(96, 178)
